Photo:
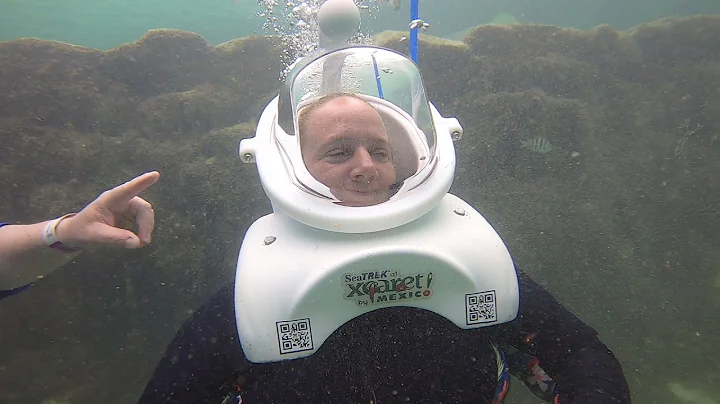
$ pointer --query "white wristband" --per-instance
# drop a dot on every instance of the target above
(49, 234)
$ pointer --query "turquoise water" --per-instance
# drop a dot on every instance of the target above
(105, 24)
(109, 23)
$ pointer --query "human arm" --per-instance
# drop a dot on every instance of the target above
(200, 364)
(582, 367)
(24, 252)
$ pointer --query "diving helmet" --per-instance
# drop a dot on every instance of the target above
(419, 139)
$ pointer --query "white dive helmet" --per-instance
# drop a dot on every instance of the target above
(308, 268)
(421, 140)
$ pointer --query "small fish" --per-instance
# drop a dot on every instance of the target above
(537, 145)
(419, 24)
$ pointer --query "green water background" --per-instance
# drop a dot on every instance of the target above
(105, 24)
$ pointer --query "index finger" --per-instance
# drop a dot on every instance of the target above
(125, 192)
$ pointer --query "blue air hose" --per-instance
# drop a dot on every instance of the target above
(414, 15)
(377, 78)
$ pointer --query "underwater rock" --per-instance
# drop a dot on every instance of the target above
(50, 83)
(55, 84)
(161, 61)
(176, 114)
(671, 41)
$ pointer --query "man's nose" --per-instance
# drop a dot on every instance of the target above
(364, 165)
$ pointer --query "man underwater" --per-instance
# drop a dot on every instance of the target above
(321, 312)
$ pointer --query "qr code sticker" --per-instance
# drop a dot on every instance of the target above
(481, 307)
(294, 336)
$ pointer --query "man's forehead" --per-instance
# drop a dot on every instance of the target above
(349, 130)
(346, 100)
(358, 136)
(357, 119)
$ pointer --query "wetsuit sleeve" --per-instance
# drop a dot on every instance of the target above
(8, 293)
(202, 360)
(583, 368)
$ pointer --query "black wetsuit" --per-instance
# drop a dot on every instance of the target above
(392, 355)
(8, 293)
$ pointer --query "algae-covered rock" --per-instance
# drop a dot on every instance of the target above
(49, 83)
(161, 61)
(679, 41)
(176, 114)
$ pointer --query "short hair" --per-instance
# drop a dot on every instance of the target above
(304, 113)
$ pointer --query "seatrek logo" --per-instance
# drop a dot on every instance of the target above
(386, 286)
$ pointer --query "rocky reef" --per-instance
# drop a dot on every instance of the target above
(620, 220)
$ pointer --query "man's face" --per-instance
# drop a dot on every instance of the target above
(345, 146)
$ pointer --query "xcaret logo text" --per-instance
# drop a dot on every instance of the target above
(386, 286)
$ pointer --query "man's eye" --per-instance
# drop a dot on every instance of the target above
(337, 154)
(381, 154)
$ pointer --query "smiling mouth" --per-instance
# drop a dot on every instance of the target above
(363, 192)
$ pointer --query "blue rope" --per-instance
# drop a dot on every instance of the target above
(377, 78)
(414, 15)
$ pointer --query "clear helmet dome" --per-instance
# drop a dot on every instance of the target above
(358, 129)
